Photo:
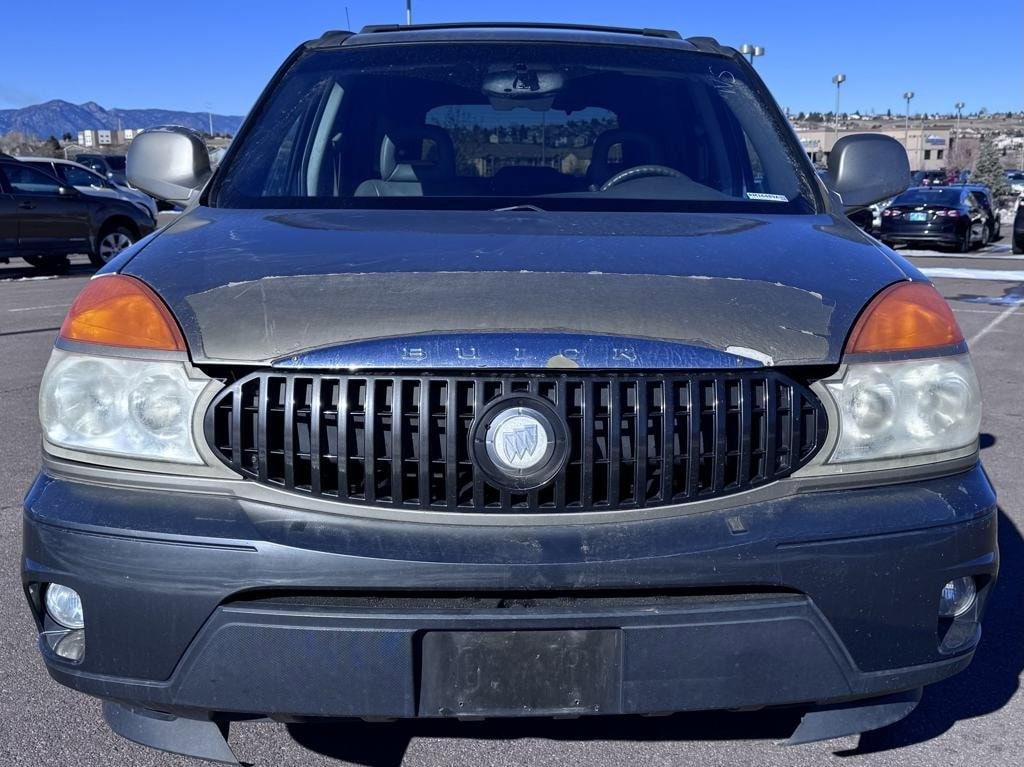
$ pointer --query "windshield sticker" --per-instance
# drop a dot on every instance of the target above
(767, 197)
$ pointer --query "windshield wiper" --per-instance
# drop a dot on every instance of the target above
(521, 207)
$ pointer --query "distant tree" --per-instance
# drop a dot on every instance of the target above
(888, 113)
(989, 170)
(50, 147)
(67, 137)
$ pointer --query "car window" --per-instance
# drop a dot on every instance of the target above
(82, 177)
(116, 163)
(96, 165)
(27, 180)
(929, 196)
(485, 125)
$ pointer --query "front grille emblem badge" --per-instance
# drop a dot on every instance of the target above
(517, 439)
(520, 443)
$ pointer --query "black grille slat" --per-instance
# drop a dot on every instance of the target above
(636, 440)
(315, 426)
(261, 428)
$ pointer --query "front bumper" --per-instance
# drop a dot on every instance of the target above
(206, 605)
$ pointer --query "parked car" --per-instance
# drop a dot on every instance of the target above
(88, 181)
(110, 166)
(937, 215)
(928, 178)
(1016, 179)
(401, 420)
(42, 219)
(1018, 228)
(984, 197)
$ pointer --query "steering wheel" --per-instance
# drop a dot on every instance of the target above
(640, 171)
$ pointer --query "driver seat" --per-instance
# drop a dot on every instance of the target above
(637, 149)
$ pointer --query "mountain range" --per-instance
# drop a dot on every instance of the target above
(55, 118)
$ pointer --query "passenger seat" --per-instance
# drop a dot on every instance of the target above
(405, 172)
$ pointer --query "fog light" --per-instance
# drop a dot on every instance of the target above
(72, 645)
(65, 606)
(957, 597)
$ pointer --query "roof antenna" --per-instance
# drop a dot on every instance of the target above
(408, 12)
(348, 21)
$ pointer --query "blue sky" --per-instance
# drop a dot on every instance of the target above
(188, 54)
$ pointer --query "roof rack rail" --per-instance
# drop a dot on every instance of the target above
(330, 38)
(375, 28)
(709, 45)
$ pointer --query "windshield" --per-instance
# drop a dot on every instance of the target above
(488, 125)
(947, 197)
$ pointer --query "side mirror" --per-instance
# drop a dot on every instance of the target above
(865, 168)
(169, 163)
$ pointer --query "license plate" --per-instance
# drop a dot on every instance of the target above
(509, 673)
(917, 217)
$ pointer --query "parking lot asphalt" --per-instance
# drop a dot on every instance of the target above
(971, 719)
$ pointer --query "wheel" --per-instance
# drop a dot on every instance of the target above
(963, 245)
(1018, 247)
(986, 235)
(112, 242)
(48, 264)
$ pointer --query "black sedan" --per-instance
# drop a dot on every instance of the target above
(937, 215)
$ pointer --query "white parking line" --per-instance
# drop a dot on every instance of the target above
(34, 308)
(992, 325)
(997, 275)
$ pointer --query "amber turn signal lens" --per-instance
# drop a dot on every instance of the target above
(905, 316)
(121, 311)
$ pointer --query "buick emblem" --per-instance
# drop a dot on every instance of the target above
(520, 442)
(517, 439)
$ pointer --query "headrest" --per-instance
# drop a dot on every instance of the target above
(402, 154)
(639, 148)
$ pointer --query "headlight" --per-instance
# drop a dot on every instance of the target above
(913, 407)
(137, 408)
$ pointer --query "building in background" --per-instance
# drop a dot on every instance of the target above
(927, 149)
(93, 138)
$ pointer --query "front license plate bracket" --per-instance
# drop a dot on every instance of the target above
(517, 673)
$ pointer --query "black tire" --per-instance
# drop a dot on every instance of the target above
(112, 240)
(1018, 247)
(964, 244)
(987, 235)
(48, 264)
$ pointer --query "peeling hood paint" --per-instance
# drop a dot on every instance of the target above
(255, 286)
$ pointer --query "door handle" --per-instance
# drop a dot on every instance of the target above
(26, 205)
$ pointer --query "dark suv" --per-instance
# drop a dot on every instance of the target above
(42, 220)
(110, 166)
(508, 370)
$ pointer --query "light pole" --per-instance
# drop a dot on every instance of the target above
(956, 136)
(408, 12)
(906, 125)
(751, 50)
(838, 80)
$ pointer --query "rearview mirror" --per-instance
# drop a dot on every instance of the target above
(169, 163)
(865, 168)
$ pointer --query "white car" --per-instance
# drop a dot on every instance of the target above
(90, 182)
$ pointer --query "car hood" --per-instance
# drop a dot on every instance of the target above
(410, 288)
